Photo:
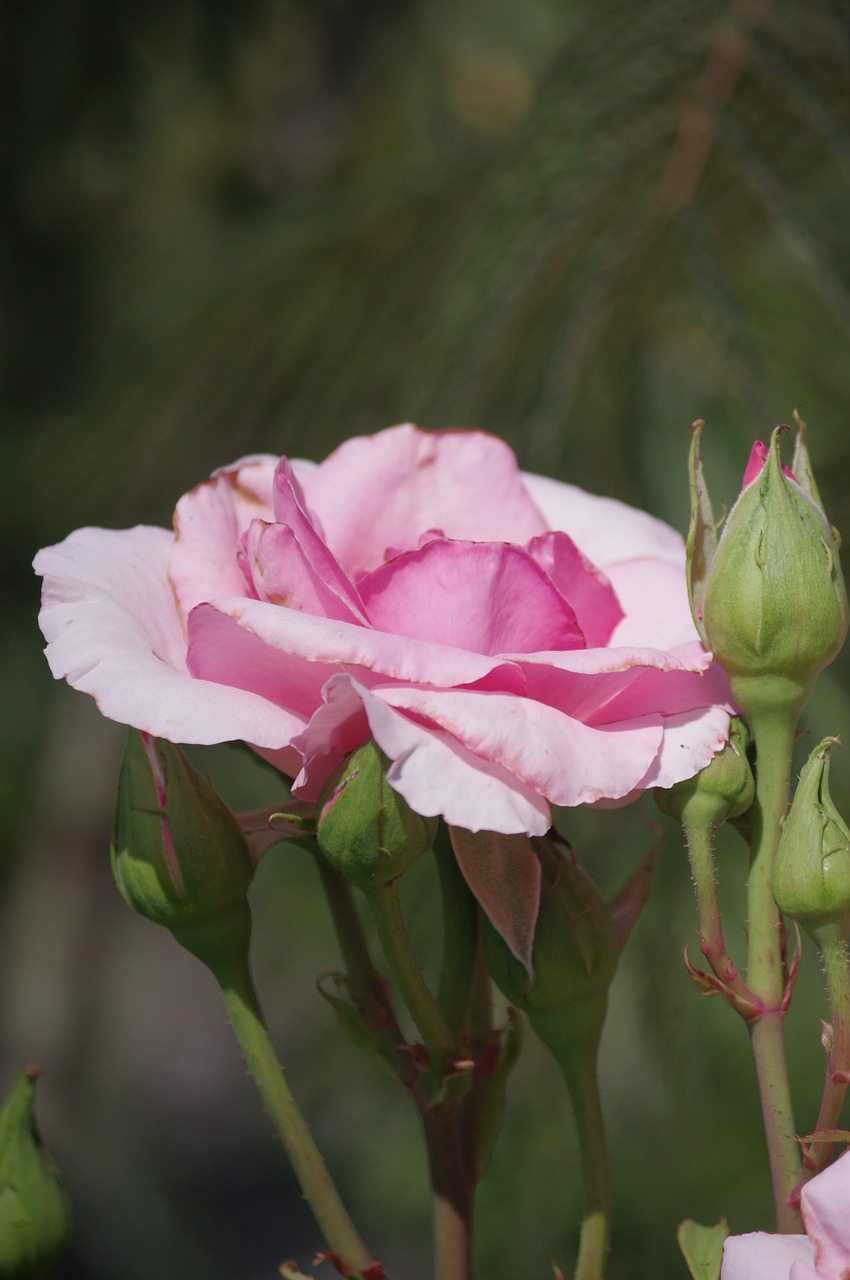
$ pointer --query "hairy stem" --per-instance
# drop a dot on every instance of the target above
(774, 735)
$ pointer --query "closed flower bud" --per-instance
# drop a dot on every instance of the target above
(365, 829)
(725, 788)
(178, 853)
(34, 1220)
(811, 874)
(768, 596)
(575, 949)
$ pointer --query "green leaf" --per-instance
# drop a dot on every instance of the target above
(702, 1247)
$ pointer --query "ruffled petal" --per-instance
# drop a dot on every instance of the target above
(602, 686)
(301, 638)
(488, 597)
(282, 575)
(762, 1256)
(567, 762)
(208, 523)
(289, 506)
(434, 772)
(826, 1213)
(385, 490)
(607, 531)
(589, 592)
(113, 631)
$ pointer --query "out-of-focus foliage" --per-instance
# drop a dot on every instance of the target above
(238, 225)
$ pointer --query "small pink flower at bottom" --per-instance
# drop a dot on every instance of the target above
(823, 1253)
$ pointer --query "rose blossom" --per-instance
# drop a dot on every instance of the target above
(509, 641)
(823, 1253)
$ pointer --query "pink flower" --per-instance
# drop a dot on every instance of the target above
(823, 1253)
(510, 642)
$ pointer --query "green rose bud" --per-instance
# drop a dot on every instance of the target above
(768, 597)
(35, 1223)
(725, 788)
(365, 829)
(811, 874)
(178, 853)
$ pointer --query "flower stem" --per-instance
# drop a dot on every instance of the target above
(452, 1196)
(573, 1037)
(330, 1213)
(700, 841)
(460, 935)
(774, 735)
(432, 1026)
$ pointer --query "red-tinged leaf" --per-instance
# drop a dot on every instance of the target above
(626, 907)
(503, 873)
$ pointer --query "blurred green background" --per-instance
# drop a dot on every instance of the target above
(246, 225)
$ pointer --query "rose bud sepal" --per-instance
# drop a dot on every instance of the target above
(811, 874)
(178, 853)
(35, 1222)
(364, 828)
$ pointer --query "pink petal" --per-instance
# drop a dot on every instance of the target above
(503, 873)
(654, 597)
(113, 631)
(434, 772)
(689, 742)
(208, 523)
(385, 490)
(295, 640)
(601, 686)
(290, 510)
(283, 575)
(755, 462)
(826, 1213)
(755, 465)
(484, 596)
(579, 581)
(761, 1256)
(607, 531)
(564, 760)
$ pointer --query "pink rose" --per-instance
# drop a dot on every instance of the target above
(509, 641)
(823, 1253)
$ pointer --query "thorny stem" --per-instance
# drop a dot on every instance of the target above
(330, 1213)
(700, 841)
(835, 964)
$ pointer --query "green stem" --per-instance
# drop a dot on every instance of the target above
(452, 1193)
(366, 986)
(432, 1026)
(774, 735)
(348, 927)
(330, 1213)
(573, 1036)
(460, 935)
(700, 842)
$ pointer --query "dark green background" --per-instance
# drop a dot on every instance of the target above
(235, 226)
